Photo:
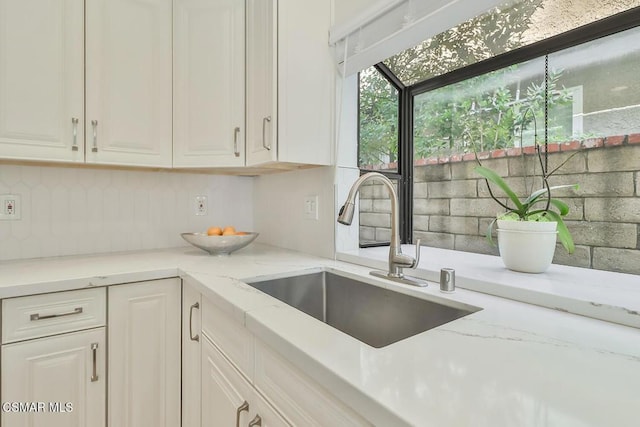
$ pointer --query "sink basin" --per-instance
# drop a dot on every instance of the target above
(369, 313)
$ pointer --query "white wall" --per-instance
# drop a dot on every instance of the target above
(69, 211)
(279, 210)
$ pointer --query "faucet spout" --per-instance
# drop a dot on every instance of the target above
(397, 260)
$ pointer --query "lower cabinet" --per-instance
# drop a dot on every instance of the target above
(228, 399)
(60, 366)
(62, 377)
(53, 360)
(144, 354)
(243, 382)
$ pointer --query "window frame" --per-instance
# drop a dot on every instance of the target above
(605, 27)
(404, 173)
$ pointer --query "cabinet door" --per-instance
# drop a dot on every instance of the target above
(144, 354)
(128, 91)
(208, 83)
(62, 370)
(224, 391)
(262, 106)
(191, 355)
(42, 79)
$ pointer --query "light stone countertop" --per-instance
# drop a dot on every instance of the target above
(510, 364)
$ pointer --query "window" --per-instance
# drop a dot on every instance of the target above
(494, 87)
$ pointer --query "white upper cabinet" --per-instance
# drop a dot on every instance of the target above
(128, 87)
(262, 83)
(209, 75)
(290, 82)
(41, 80)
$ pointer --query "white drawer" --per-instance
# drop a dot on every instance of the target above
(295, 394)
(231, 337)
(37, 316)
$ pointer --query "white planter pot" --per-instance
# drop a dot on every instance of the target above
(527, 246)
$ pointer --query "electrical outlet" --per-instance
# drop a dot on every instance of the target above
(10, 207)
(201, 205)
(311, 207)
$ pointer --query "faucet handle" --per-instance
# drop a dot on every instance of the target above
(417, 260)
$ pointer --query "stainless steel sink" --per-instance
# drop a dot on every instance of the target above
(372, 314)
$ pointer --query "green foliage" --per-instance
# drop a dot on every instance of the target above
(378, 119)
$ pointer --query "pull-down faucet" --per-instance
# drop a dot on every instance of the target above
(397, 260)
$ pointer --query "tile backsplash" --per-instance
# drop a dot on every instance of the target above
(70, 211)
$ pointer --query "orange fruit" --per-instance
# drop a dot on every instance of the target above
(228, 230)
(241, 233)
(214, 231)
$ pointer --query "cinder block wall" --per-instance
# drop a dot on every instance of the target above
(452, 206)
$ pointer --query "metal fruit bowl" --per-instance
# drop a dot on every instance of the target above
(219, 245)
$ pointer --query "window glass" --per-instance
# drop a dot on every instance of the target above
(378, 122)
(601, 79)
(482, 113)
(375, 213)
(513, 25)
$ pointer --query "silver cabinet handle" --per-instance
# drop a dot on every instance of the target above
(94, 123)
(74, 122)
(241, 408)
(264, 125)
(37, 316)
(236, 131)
(94, 349)
(196, 337)
(256, 421)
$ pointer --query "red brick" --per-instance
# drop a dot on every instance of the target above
(512, 152)
(432, 161)
(484, 155)
(420, 162)
(468, 156)
(553, 148)
(570, 146)
(456, 157)
(443, 159)
(592, 143)
(392, 165)
(496, 154)
(633, 138)
(612, 141)
(529, 149)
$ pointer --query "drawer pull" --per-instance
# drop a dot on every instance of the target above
(241, 408)
(37, 316)
(191, 336)
(94, 349)
(257, 421)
